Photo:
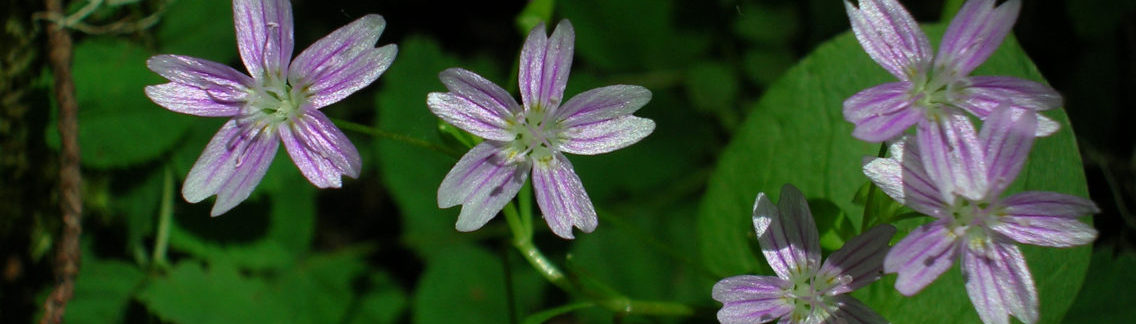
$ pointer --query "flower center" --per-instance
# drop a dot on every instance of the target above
(810, 295)
(536, 136)
(272, 103)
(970, 223)
(934, 91)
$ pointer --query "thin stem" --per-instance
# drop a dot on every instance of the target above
(165, 214)
(871, 206)
(68, 255)
(360, 128)
(522, 240)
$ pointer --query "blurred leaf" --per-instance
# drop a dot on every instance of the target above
(102, 291)
(764, 66)
(384, 304)
(767, 24)
(120, 125)
(630, 34)
(537, 11)
(713, 87)
(462, 284)
(191, 294)
(319, 290)
(257, 234)
(202, 29)
(796, 134)
(1107, 295)
(829, 216)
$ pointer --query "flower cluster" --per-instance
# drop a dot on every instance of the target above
(281, 100)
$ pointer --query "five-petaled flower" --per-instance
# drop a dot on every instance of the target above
(533, 135)
(935, 91)
(281, 100)
(804, 290)
(957, 178)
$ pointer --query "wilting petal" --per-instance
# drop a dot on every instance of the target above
(191, 100)
(605, 136)
(852, 311)
(264, 35)
(890, 36)
(974, 33)
(953, 157)
(251, 164)
(342, 62)
(562, 198)
(1046, 219)
(921, 257)
(601, 104)
(787, 233)
(861, 259)
(482, 182)
(999, 284)
(1007, 136)
(903, 178)
(474, 104)
(752, 299)
(321, 152)
(544, 66)
(882, 112)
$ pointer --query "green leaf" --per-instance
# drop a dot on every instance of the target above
(462, 284)
(1107, 295)
(769, 24)
(119, 125)
(260, 233)
(796, 134)
(537, 11)
(384, 304)
(192, 294)
(713, 87)
(202, 29)
(630, 34)
(102, 291)
(319, 290)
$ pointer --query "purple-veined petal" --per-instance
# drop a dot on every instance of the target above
(191, 100)
(921, 257)
(545, 63)
(1046, 219)
(984, 93)
(890, 36)
(251, 165)
(604, 136)
(1006, 137)
(953, 157)
(882, 112)
(752, 299)
(264, 35)
(601, 104)
(222, 82)
(561, 197)
(999, 284)
(215, 165)
(975, 32)
(483, 181)
(321, 152)
(852, 311)
(787, 233)
(903, 178)
(474, 104)
(861, 259)
(342, 62)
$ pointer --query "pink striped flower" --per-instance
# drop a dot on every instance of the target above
(804, 290)
(958, 176)
(280, 102)
(935, 90)
(533, 135)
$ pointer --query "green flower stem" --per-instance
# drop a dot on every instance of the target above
(873, 205)
(605, 296)
(356, 127)
(165, 214)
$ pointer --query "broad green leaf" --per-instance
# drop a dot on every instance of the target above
(269, 230)
(535, 12)
(713, 87)
(103, 289)
(220, 294)
(796, 134)
(320, 289)
(461, 284)
(120, 126)
(1107, 294)
(202, 29)
(766, 24)
(385, 303)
